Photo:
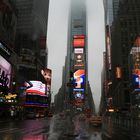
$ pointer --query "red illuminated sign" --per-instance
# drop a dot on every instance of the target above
(79, 37)
(78, 40)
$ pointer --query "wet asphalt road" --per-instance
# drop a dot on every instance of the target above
(55, 128)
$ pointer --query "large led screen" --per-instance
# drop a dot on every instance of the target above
(118, 71)
(108, 47)
(5, 72)
(37, 88)
(136, 78)
(78, 60)
(78, 94)
(78, 40)
(79, 79)
(79, 37)
(47, 74)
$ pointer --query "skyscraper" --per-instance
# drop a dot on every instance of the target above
(31, 38)
(77, 52)
(125, 30)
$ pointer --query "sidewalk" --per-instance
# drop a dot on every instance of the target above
(122, 126)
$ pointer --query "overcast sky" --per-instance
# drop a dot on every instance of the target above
(57, 43)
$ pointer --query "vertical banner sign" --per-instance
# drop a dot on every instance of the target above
(108, 47)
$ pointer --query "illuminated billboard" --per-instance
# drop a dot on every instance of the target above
(108, 46)
(47, 74)
(136, 78)
(37, 88)
(79, 80)
(118, 72)
(78, 60)
(79, 41)
(78, 50)
(78, 94)
(5, 72)
(79, 37)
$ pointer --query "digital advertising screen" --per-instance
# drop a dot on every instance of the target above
(47, 74)
(5, 72)
(78, 50)
(108, 46)
(136, 78)
(78, 94)
(37, 88)
(118, 71)
(78, 40)
(79, 79)
(78, 60)
(79, 36)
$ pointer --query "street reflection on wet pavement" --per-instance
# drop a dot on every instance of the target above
(55, 128)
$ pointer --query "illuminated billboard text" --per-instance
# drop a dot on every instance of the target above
(78, 50)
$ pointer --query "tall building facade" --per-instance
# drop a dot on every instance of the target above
(31, 34)
(8, 58)
(77, 53)
(123, 33)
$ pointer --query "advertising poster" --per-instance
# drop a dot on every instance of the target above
(78, 50)
(136, 78)
(79, 41)
(47, 74)
(37, 88)
(79, 80)
(5, 72)
(78, 94)
(78, 60)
